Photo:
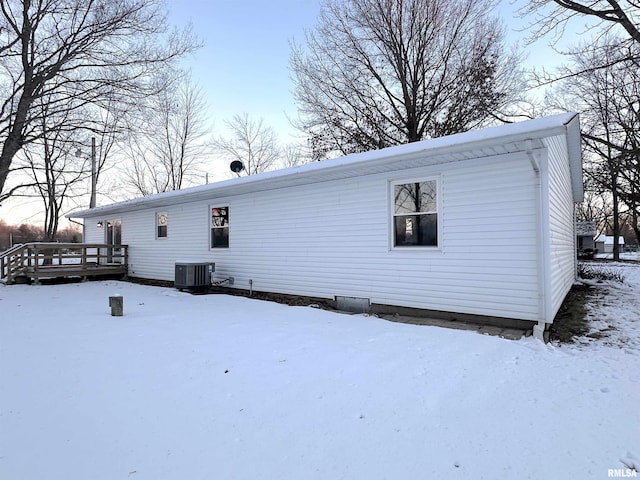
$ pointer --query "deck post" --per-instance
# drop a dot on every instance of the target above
(36, 264)
(125, 248)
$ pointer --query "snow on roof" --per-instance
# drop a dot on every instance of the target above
(353, 165)
(608, 239)
(586, 229)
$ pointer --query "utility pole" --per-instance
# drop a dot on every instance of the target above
(92, 202)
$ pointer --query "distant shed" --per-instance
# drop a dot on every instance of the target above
(479, 223)
(604, 243)
(585, 234)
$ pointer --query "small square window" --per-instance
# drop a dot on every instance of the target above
(220, 227)
(415, 214)
(162, 221)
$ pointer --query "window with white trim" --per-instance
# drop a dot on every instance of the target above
(162, 222)
(415, 213)
(220, 227)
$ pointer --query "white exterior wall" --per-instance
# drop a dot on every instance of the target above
(334, 238)
(488, 263)
(93, 234)
(187, 239)
(561, 225)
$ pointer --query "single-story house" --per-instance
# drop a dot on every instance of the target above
(604, 243)
(416, 226)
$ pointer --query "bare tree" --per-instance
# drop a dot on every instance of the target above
(610, 19)
(614, 128)
(168, 151)
(605, 70)
(552, 16)
(55, 170)
(630, 193)
(50, 167)
(111, 127)
(76, 52)
(608, 101)
(251, 142)
(293, 155)
(595, 207)
(376, 73)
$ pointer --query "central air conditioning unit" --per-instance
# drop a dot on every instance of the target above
(193, 275)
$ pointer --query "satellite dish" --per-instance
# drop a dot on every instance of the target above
(236, 166)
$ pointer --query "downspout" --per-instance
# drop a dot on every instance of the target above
(73, 221)
(78, 223)
(540, 327)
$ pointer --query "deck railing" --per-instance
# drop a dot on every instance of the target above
(50, 260)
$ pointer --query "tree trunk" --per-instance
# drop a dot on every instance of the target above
(636, 225)
(11, 146)
(616, 225)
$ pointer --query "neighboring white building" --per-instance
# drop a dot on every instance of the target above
(604, 243)
(422, 225)
(585, 233)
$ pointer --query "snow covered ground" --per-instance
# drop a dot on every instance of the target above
(614, 308)
(224, 387)
(633, 256)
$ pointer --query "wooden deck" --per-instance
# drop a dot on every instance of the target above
(38, 260)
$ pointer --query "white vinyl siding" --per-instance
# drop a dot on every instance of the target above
(92, 232)
(505, 224)
(562, 247)
(332, 238)
(489, 238)
(189, 240)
